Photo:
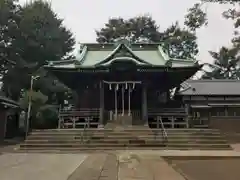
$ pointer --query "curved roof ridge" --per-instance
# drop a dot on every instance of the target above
(110, 56)
(82, 55)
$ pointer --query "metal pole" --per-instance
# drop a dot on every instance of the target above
(29, 107)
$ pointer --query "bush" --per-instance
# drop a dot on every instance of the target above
(46, 118)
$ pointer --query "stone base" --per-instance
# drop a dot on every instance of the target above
(146, 124)
(125, 120)
(100, 126)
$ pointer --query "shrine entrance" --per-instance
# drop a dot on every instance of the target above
(123, 99)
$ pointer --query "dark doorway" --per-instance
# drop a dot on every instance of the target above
(12, 128)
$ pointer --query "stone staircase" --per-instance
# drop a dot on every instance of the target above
(119, 138)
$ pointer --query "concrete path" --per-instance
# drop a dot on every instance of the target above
(133, 166)
(236, 147)
(189, 153)
(116, 165)
(38, 166)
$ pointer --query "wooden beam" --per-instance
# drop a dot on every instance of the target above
(144, 105)
(101, 114)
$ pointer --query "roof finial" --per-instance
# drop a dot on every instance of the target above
(123, 40)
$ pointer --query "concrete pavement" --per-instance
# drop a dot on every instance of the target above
(38, 166)
(122, 165)
(187, 153)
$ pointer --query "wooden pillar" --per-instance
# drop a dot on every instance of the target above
(2, 125)
(101, 114)
(144, 105)
(188, 114)
(172, 121)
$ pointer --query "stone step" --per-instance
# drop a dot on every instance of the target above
(94, 148)
(127, 133)
(155, 144)
(167, 142)
(125, 140)
(212, 137)
(130, 128)
(98, 145)
(63, 131)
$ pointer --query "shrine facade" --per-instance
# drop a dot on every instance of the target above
(123, 81)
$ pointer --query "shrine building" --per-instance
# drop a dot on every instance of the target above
(127, 82)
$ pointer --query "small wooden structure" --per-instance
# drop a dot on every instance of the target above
(214, 103)
(5, 105)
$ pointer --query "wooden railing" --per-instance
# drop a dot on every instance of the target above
(199, 122)
(82, 113)
(167, 112)
(170, 117)
(74, 117)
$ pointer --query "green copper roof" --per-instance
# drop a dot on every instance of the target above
(95, 55)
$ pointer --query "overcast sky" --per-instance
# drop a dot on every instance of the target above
(83, 17)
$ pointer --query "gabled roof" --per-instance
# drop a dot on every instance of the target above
(211, 87)
(93, 55)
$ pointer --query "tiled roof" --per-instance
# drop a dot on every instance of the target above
(104, 54)
(212, 87)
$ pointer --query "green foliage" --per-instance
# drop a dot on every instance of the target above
(137, 29)
(225, 65)
(30, 36)
(38, 99)
(196, 17)
(42, 115)
(227, 59)
(8, 28)
(46, 117)
(43, 37)
(180, 42)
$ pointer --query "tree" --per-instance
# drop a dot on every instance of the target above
(196, 17)
(43, 36)
(137, 29)
(8, 27)
(179, 42)
(227, 58)
(225, 65)
(40, 37)
(43, 115)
